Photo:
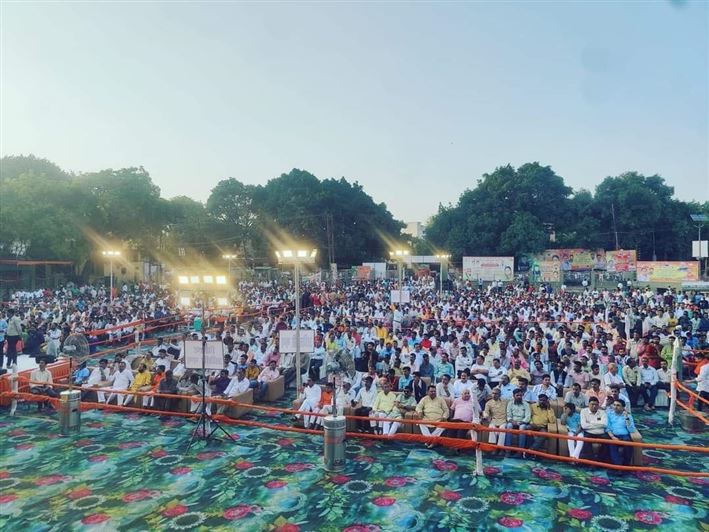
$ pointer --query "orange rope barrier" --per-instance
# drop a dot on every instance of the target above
(692, 393)
(692, 411)
(458, 443)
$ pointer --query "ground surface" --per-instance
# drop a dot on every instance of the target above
(127, 472)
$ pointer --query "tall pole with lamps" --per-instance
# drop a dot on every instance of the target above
(399, 255)
(201, 286)
(110, 253)
(444, 260)
(296, 258)
(229, 257)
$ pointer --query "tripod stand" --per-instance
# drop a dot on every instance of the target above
(206, 424)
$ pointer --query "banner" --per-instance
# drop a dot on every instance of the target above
(363, 273)
(668, 272)
(488, 268)
(549, 271)
(622, 260)
(576, 259)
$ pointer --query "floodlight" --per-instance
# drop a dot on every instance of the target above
(183, 279)
(221, 279)
(302, 253)
(699, 217)
(208, 279)
(185, 301)
(222, 301)
(194, 279)
(287, 253)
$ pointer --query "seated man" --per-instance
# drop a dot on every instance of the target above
(648, 384)
(218, 385)
(121, 379)
(385, 407)
(445, 390)
(518, 417)
(99, 378)
(542, 416)
(252, 374)
(325, 402)
(406, 402)
(482, 391)
(576, 397)
(432, 408)
(496, 413)
(572, 419)
(365, 398)
(465, 409)
(168, 386)
(237, 386)
(42, 384)
(620, 427)
(310, 396)
(142, 382)
(545, 387)
(594, 422)
(269, 374)
(81, 375)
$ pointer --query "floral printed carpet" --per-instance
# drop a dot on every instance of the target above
(127, 472)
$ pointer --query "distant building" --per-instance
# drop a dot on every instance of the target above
(414, 229)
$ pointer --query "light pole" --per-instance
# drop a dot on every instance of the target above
(229, 257)
(296, 258)
(200, 286)
(444, 260)
(110, 253)
(399, 255)
(699, 219)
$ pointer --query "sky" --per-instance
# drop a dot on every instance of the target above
(415, 101)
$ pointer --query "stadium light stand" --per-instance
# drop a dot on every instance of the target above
(111, 254)
(400, 255)
(444, 258)
(699, 219)
(297, 258)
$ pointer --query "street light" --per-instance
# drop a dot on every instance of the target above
(229, 257)
(444, 260)
(111, 254)
(296, 258)
(700, 219)
(399, 255)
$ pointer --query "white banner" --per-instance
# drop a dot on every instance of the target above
(405, 296)
(488, 268)
(213, 354)
(286, 343)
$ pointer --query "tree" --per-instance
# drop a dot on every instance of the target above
(489, 219)
(231, 206)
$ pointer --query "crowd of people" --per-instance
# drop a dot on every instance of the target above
(37, 322)
(512, 356)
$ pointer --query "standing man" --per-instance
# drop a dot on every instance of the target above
(14, 332)
(3, 332)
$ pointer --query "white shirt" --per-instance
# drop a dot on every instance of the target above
(367, 397)
(495, 374)
(311, 394)
(703, 379)
(648, 375)
(462, 362)
(95, 377)
(459, 386)
(122, 379)
(237, 387)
